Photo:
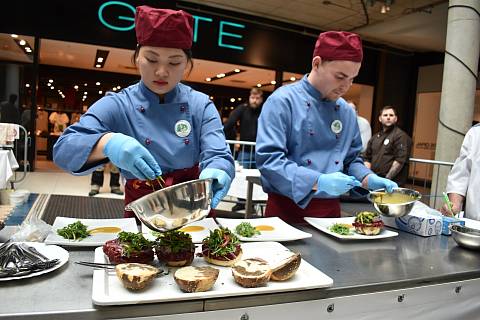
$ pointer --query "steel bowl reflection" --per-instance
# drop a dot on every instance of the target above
(173, 207)
(466, 237)
(397, 204)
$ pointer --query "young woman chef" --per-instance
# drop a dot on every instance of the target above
(157, 127)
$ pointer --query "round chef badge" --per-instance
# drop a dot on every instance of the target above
(183, 128)
(336, 126)
(386, 141)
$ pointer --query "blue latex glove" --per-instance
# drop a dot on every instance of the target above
(375, 182)
(336, 183)
(221, 184)
(127, 153)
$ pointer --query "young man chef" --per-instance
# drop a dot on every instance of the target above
(308, 141)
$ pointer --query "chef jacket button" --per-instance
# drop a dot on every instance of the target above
(186, 141)
(148, 141)
(142, 109)
(337, 107)
(309, 162)
(337, 162)
(337, 136)
(182, 109)
(308, 104)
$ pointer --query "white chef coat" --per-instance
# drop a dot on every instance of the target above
(365, 131)
(464, 178)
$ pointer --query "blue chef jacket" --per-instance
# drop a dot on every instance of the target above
(296, 143)
(136, 112)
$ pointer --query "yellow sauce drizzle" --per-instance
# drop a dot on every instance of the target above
(264, 228)
(105, 230)
(192, 229)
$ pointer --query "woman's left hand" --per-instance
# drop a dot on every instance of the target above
(221, 184)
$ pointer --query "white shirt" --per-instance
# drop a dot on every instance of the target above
(464, 178)
(365, 131)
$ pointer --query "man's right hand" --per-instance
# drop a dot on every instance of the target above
(336, 183)
(127, 153)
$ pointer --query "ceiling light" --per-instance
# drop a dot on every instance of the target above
(114, 89)
(49, 84)
(208, 79)
(384, 9)
(27, 85)
(52, 87)
(22, 42)
(85, 93)
(84, 97)
(259, 85)
(51, 80)
(97, 83)
(237, 70)
(273, 82)
(211, 97)
(14, 35)
(75, 87)
(224, 74)
(28, 49)
(221, 75)
(293, 78)
(100, 58)
(232, 99)
(85, 84)
(118, 87)
(239, 99)
(100, 92)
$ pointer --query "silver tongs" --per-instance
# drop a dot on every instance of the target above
(109, 266)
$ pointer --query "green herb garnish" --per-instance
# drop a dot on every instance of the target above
(245, 229)
(177, 241)
(366, 217)
(341, 228)
(131, 241)
(74, 231)
(221, 242)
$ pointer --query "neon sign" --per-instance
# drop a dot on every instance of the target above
(224, 37)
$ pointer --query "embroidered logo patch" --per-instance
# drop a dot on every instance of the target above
(183, 128)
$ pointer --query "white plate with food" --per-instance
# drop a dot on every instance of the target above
(198, 230)
(107, 289)
(265, 229)
(49, 251)
(330, 225)
(99, 231)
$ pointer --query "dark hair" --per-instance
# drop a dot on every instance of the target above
(388, 108)
(188, 53)
(256, 91)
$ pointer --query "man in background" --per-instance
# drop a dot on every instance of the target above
(364, 126)
(9, 113)
(247, 114)
(388, 151)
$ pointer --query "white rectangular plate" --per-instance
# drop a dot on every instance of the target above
(323, 224)
(108, 289)
(282, 231)
(95, 240)
(197, 236)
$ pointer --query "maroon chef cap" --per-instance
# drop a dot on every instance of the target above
(339, 45)
(163, 28)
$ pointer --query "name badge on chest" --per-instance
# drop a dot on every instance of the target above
(183, 128)
(336, 126)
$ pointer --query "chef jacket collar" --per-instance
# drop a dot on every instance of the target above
(153, 97)
(314, 92)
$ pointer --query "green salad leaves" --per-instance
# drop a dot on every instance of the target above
(74, 231)
(245, 229)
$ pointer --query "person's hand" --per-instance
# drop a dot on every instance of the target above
(127, 153)
(445, 210)
(375, 182)
(221, 184)
(336, 183)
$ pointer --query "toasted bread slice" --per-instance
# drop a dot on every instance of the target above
(196, 279)
(250, 273)
(135, 276)
(287, 268)
(223, 263)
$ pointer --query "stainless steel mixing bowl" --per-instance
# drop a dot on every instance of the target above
(466, 237)
(173, 207)
(394, 210)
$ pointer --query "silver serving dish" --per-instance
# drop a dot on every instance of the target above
(466, 237)
(380, 199)
(173, 207)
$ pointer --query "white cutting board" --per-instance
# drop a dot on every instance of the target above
(108, 290)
